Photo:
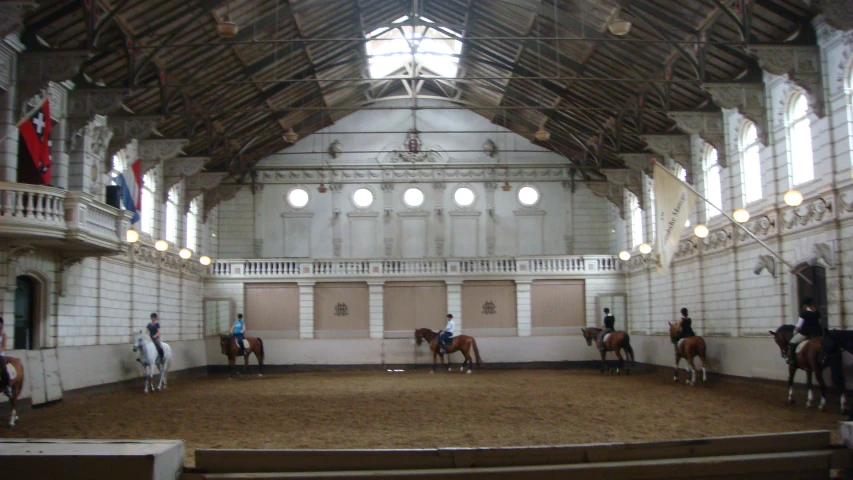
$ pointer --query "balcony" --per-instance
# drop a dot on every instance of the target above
(50, 217)
(308, 269)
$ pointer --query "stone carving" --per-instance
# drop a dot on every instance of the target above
(212, 197)
(490, 245)
(336, 246)
(813, 211)
(765, 262)
(676, 147)
(747, 98)
(90, 101)
(717, 239)
(490, 186)
(439, 246)
(409, 173)
(176, 169)
(6, 56)
(610, 192)
(389, 246)
(629, 179)
(708, 125)
(825, 254)
(640, 162)
(127, 128)
(412, 150)
(800, 63)
(760, 226)
(35, 69)
(387, 187)
(11, 14)
(439, 186)
(838, 14)
(686, 249)
(161, 149)
(204, 181)
(100, 138)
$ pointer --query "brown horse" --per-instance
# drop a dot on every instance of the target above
(808, 359)
(615, 342)
(688, 348)
(16, 384)
(232, 351)
(462, 343)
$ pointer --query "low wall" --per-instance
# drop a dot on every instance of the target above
(88, 366)
(405, 352)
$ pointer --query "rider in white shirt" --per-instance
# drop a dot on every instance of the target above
(446, 335)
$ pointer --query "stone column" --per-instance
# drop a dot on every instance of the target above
(490, 188)
(438, 196)
(337, 238)
(376, 305)
(258, 194)
(523, 304)
(86, 156)
(8, 110)
(387, 224)
(306, 310)
(454, 302)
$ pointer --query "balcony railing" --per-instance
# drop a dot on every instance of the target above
(43, 214)
(428, 267)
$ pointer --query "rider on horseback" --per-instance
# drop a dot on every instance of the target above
(154, 333)
(446, 335)
(685, 328)
(609, 327)
(4, 374)
(238, 330)
(808, 326)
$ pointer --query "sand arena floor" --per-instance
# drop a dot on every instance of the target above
(412, 409)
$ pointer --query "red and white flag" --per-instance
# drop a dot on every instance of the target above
(35, 133)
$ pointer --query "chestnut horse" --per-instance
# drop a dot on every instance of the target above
(688, 348)
(229, 346)
(16, 384)
(615, 342)
(808, 358)
(461, 343)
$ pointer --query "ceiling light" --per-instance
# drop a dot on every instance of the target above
(161, 245)
(645, 248)
(185, 253)
(619, 27)
(741, 215)
(701, 231)
(290, 136)
(132, 236)
(542, 135)
(793, 198)
(506, 187)
(227, 28)
(204, 260)
(624, 255)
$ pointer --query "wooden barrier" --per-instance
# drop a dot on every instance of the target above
(787, 455)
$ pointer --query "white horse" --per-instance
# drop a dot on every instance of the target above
(148, 358)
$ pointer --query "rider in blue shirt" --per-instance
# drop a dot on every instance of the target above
(154, 333)
(238, 330)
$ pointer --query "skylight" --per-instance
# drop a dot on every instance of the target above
(436, 48)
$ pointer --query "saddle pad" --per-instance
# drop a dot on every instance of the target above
(681, 342)
(607, 336)
(12, 372)
(801, 345)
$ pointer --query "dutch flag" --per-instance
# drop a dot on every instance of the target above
(130, 182)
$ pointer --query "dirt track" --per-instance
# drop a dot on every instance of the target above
(414, 409)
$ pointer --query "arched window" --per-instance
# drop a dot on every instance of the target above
(800, 138)
(750, 163)
(713, 182)
(636, 220)
(192, 225)
(650, 186)
(174, 198)
(149, 188)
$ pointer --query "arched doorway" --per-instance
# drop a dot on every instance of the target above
(817, 289)
(27, 314)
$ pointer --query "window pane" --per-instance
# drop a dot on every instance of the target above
(362, 198)
(636, 220)
(752, 174)
(713, 187)
(800, 136)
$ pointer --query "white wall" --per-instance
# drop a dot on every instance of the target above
(714, 277)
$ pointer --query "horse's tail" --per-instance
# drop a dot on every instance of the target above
(629, 350)
(261, 343)
(476, 351)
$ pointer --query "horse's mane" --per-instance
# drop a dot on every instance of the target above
(785, 328)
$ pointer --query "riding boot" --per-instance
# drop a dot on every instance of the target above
(792, 354)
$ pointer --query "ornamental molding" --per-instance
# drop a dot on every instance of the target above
(87, 102)
(761, 226)
(640, 162)
(686, 249)
(177, 169)
(7, 57)
(12, 14)
(812, 212)
(611, 192)
(128, 128)
(747, 98)
(407, 175)
(222, 193)
(152, 152)
(629, 179)
(36, 69)
(709, 127)
(202, 182)
(676, 147)
(718, 239)
(412, 150)
(801, 63)
(838, 14)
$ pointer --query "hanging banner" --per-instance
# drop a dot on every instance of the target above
(673, 203)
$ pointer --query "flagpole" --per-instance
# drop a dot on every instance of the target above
(740, 225)
(22, 120)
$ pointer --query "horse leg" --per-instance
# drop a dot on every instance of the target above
(434, 361)
(246, 364)
(231, 360)
(13, 401)
(675, 370)
(260, 362)
(822, 385)
(792, 369)
(810, 401)
(603, 361)
(692, 369)
(621, 361)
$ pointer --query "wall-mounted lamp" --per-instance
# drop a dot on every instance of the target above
(387, 210)
(741, 215)
(701, 231)
(161, 245)
(645, 248)
(132, 236)
(438, 209)
(793, 198)
(185, 253)
(490, 209)
(336, 212)
(624, 255)
(204, 260)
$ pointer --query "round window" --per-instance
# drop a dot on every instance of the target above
(463, 196)
(297, 198)
(362, 198)
(528, 196)
(413, 197)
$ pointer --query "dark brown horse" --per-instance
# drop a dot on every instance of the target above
(688, 348)
(615, 342)
(16, 384)
(232, 351)
(808, 358)
(462, 343)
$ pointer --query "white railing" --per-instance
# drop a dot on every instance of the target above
(47, 212)
(428, 267)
